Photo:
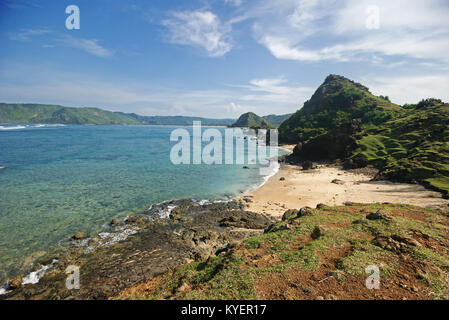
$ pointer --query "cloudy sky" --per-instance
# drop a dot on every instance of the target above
(219, 58)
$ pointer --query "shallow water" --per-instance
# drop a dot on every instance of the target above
(57, 180)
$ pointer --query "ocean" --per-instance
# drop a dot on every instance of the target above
(56, 180)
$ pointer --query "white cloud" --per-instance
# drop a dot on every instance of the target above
(262, 96)
(318, 30)
(27, 34)
(88, 45)
(236, 3)
(199, 29)
(412, 88)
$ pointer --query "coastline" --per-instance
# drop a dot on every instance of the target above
(166, 227)
(293, 188)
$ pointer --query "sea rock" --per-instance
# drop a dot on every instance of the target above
(78, 236)
(115, 222)
(289, 213)
(245, 167)
(379, 215)
(137, 219)
(15, 282)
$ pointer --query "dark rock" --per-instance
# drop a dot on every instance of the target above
(282, 179)
(15, 282)
(289, 213)
(307, 165)
(277, 227)
(137, 219)
(318, 232)
(379, 215)
(78, 236)
(320, 206)
(306, 211)
(245, 167)
(115, 222)
(337, 181)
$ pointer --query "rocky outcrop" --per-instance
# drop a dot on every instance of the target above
(193, 232)
(339, 143)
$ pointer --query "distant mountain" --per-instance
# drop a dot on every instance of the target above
(251, 120)
(39, 113)
(276, 120)
(180, 120)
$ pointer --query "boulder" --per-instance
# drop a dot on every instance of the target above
(15, 282)
(379, 215)
(289, 213)
(318, 232)
(307, 165)
(306, 211)
(282, 179)
(78, 236)
(115, 222)
(320, 206)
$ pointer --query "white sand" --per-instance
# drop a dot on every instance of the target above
(309, 188)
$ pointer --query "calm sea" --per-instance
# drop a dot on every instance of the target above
(57, 180)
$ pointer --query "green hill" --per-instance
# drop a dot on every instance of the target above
(344, 121)
(37, 113)
(276, 120)
(336, 101)
(414, 147)
(251, 120)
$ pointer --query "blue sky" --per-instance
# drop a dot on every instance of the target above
(219, 58)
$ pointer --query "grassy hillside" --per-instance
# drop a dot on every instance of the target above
(276, 120)
(336, 101)
(37, 113)
(318, 254)
(414, 147)
(251, 120)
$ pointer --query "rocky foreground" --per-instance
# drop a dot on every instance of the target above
(154, 246)
(322, 254)
(223, 251)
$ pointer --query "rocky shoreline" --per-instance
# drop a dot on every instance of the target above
(143, 246)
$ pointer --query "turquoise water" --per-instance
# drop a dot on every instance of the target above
(58, 180)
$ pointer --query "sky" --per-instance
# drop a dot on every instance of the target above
(219, 58)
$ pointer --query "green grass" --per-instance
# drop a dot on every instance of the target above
(234, 275)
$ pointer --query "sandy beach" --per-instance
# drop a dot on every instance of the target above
(293, 188)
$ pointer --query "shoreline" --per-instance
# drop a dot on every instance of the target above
(293, 188)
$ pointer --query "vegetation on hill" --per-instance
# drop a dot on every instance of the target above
(414, 147)
(336, 101)
(37, 113)
(180, 120)
(322, 254)
(276, 120)
(344, 121)
(252, 120)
